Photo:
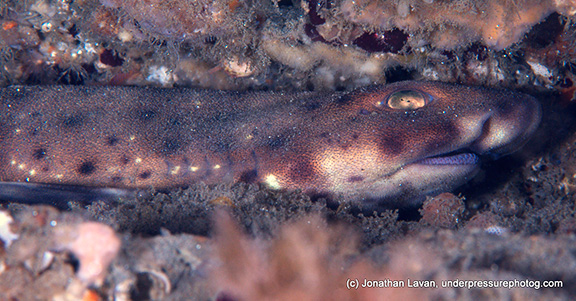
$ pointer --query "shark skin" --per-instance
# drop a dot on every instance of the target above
(385, 144)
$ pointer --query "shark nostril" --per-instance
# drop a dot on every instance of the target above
(479, 144)
(502, 134)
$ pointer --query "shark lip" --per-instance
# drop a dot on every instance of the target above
(450, 159)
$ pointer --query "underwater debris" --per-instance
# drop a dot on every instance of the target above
(179, 20)
(6, 233)
(59, 254)
(307, 261)
(304, 45)
(452, 24)
(488, 222)
(444, 210)
(93, 244)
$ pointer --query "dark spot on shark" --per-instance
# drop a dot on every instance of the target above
(112, 140)
(249, 176)
(343, 100)
(354, 179)
(311, 106)
(326, 136)
(146, 115)
(303, 170)
(145, 175)
(276, 142)
(222, 146)
(175, 122)
(73, 121)
(392, 145)
(124, 160)
(39, 153)
(171, 146)
(87, 168)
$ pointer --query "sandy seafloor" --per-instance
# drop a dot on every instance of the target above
(514, 221)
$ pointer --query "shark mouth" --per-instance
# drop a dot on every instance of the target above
(451, 159)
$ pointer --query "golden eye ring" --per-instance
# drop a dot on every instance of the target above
(406, 100)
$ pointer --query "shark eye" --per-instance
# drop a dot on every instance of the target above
(406, 100)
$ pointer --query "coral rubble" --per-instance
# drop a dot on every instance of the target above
(453, 24)
(300, 45)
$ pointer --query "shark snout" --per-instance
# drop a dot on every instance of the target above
(509, 126)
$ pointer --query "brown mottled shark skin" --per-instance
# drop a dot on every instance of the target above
(352, 144)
